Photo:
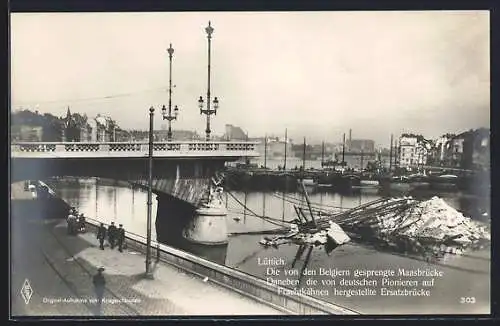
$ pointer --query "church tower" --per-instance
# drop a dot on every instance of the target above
(69, 128)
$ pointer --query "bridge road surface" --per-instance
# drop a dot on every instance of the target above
(59, 266)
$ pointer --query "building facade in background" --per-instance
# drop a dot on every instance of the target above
(357, 160)
(103, 129)
(361, 145)
(79, 128)
(85, 132)
(178, 135)
(276, 147)
(440, 148)
(413, 150)
(481, 150)
(234, 133)
(469, 150)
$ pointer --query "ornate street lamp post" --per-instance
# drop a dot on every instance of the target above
(169, 116)
(208, 111)
(149, 272)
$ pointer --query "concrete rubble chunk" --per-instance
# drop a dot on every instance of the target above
(333, 233)
(336, 234)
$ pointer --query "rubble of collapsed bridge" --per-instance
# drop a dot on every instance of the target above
(400, 224)
(419, 226)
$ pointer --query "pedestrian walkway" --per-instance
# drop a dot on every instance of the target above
(172, 291)
(60, 267)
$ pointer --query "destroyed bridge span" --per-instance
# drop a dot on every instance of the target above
(356, 214)
(430, 227)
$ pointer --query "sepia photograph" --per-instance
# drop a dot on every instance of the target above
(250, 163)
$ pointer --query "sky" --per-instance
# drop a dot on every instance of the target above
(317, 74)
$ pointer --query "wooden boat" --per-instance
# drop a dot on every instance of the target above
(419, 181)
(399, 183)
(369, 183)
(329, 180)
(349, 182)
(284, 181)
(444, 182)
(309, 182)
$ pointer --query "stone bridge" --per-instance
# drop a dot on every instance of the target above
(180, 169)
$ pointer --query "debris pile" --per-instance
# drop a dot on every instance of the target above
(430, 225)
(401, 224)
(333, 235)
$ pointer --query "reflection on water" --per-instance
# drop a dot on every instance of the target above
(291, 162)
(101, 200)
(125, 205)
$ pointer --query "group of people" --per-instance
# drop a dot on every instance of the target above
(116, 236)
(76, 222)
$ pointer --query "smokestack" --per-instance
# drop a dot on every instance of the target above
(350, 139)
(343, 149)
(390, 153)
(286, 144)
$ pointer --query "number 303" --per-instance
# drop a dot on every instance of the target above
(467, 300)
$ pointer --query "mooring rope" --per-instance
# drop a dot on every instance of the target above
(266, 218)
(295, 200)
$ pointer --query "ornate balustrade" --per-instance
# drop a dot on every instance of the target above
(37, 147)
(75, 147)
(134, 149)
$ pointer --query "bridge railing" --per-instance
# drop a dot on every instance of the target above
(174, 146)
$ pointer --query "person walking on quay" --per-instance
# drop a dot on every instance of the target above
(101, 235)
(81, 224)
(99, 286)
(121, 237)
(112, 235)
(71, 221)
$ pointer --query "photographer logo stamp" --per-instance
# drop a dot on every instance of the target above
(26, 291)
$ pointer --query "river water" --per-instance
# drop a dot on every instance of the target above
(463, 288)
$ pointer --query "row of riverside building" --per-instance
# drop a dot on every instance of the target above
(468, 150)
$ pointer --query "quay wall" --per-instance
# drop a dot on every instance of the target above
(234, 280)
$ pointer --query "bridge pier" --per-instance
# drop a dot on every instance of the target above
(178, 221)
(207, 229)
(208, 225)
